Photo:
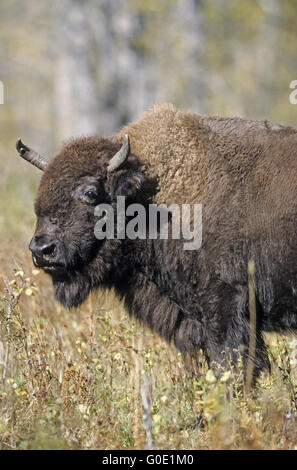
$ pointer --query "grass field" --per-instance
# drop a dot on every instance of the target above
(71, 379)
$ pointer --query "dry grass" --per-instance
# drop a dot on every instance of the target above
(72, 380)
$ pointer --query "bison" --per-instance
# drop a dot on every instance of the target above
(243, 172)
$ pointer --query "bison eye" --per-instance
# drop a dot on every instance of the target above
(89, 196)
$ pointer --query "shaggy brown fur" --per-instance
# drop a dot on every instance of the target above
(243, 172)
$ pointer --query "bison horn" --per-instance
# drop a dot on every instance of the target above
(121, 156)
(31, 156)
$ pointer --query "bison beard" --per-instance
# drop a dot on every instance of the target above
(243, 172)
(72, 289)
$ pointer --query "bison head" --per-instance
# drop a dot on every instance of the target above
(87, 172)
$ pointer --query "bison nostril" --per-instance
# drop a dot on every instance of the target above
(48, 249)
(47, 253)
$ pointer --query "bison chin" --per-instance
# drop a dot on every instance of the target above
(71, 290)
(73, 286)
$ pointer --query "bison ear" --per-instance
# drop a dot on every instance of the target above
(126, 183)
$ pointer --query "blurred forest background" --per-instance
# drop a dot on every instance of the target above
(77, 68)
(70, 379)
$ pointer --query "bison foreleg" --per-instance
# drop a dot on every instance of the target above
(227, 330)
